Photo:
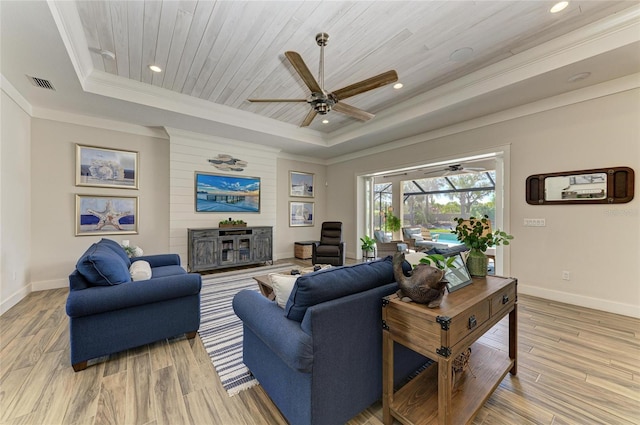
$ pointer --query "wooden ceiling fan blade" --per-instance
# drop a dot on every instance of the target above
(277, 100)
(302, 70)
(310, 116)
(366, 85)
(352, 111)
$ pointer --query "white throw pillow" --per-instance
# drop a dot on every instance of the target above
(140, 270)
(282, 285)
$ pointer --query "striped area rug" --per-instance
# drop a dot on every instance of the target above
(221, 330)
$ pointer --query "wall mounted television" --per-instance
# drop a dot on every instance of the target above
(226, 193)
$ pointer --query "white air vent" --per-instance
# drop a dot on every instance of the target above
(40, 82)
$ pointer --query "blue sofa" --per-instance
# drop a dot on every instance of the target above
(108, 312)
(320, 359)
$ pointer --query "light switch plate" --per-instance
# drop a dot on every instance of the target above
(535, 222)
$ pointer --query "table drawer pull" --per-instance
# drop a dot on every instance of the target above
(472, 322)
(505, 299)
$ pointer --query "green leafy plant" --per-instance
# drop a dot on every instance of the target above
(368, 243)
(391, 222)
(133, 251)
(438, 260)
(231, 221)
(476, 233)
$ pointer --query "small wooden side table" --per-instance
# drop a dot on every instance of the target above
(442, 334)
(303, 250)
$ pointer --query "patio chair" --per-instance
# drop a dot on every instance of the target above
(386, 246)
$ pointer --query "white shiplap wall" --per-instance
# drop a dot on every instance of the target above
(190, 152)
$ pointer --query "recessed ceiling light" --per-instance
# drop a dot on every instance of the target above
(398, 86)
(325, 121)
(155, 68)
(578, 77)
(559, 6)
(461, 55)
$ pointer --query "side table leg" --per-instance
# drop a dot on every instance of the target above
(387, 377)
(513, 339)
(444, 390)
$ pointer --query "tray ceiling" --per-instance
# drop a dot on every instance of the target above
(227, 51)
(216, 54)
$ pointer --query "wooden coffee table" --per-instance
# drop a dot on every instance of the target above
(265, 286)
(264, 283)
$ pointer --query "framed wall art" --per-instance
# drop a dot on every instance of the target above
(300, 214)
(103, 167)
(300, 184)
(226, 193)
(106, 215)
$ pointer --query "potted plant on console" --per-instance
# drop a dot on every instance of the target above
(232, 223)
(477, 235)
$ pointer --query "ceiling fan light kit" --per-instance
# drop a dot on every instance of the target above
(323, 102)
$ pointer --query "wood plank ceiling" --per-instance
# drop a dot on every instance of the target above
(228, 51)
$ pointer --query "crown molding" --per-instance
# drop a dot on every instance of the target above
(179, 133)
(15, 95)
(301, 158)
(629, 82)
(597, 38)
(66, 17)
(109, 85)
(96, 122)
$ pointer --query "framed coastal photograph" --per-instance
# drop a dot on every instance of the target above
(300, 214)
(457, 274)
(300, 184)
(226, 193)
(106, 215)
(104, 167)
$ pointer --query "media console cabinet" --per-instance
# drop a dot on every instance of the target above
(442, 334)
(216, 248)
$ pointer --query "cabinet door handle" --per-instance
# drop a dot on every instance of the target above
(472, 322)
(505, 299)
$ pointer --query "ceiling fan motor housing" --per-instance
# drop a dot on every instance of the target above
(321, 38)
(322, 103)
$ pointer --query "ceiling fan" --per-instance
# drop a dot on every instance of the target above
(456, 169)
(322, 101)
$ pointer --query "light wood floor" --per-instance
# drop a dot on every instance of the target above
(576, 366)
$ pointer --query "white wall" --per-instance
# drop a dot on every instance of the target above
(15, 202)
(598, 244)
(54, 246)
(190, 152)
(287, 235)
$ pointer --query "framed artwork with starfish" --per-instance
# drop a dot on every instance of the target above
(106, 215)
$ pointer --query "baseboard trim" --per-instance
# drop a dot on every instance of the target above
(13, 299)
(45, 285)
(581, 300)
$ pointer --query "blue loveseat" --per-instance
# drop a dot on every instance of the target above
(320, 359)
(108, 312)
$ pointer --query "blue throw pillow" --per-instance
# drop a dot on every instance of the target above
(337, 282)
(115, 246)
(102, 267)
